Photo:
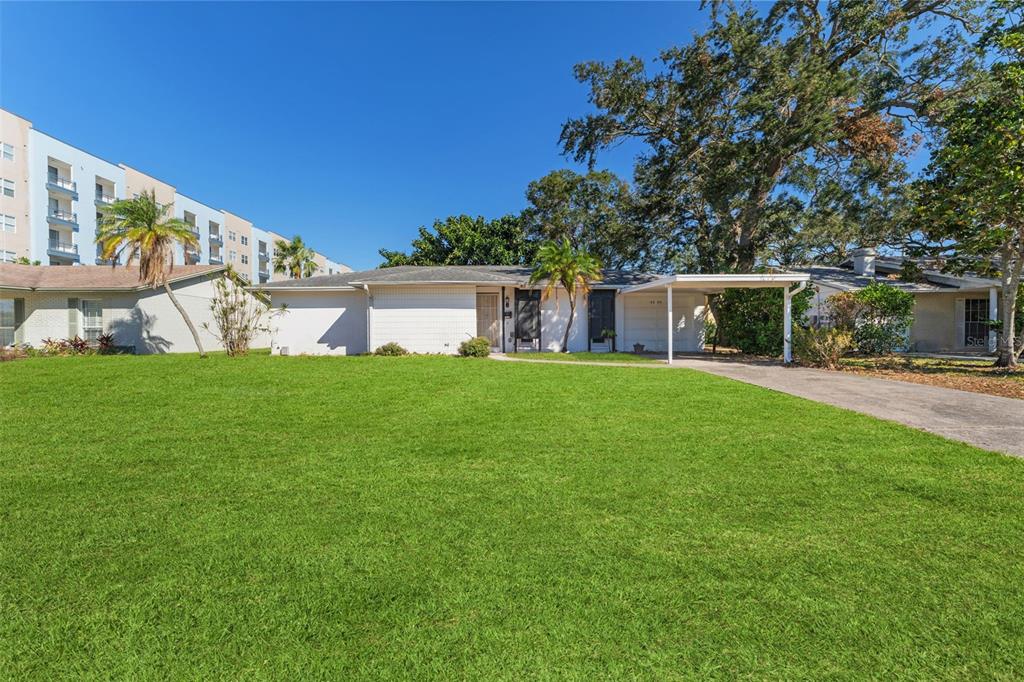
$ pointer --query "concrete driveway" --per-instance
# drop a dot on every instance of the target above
(986, 421)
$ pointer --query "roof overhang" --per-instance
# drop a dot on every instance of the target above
(171, 279)
(717, 283)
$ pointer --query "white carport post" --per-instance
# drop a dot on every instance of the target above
(669, 306)
(787, 325)
(993, 314)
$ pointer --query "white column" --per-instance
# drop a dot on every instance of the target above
(787, 325)
(993, 314)
(669, 306)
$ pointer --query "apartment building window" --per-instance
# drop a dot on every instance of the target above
(8, 152)
(92, 320)
(231, 256)
(231, 235)
(8, 223)
(6, 321)
(245, 240)
(8, 188)
(8, 257)
(245, 259)
(214, 227)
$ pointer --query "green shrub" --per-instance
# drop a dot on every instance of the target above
(391, 349)
(821, 347)
(477, 347)
(751, 319)
(882, 323)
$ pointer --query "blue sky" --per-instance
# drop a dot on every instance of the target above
(351, 124)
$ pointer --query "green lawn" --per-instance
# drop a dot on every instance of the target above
(269, 517)
(586, 357)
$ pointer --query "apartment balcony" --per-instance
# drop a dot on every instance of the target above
(63, 186)
(263, 256)
(216, 259)
(62, 249)
(216, 238)
(58, 216)
(105, 199)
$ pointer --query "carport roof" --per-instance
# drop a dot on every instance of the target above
(443, 274)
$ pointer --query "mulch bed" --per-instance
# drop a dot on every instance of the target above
(975, 377)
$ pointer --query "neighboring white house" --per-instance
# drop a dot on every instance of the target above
(951, 313)
(429, 309)
(39, 302)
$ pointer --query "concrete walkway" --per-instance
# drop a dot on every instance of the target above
(985, 421)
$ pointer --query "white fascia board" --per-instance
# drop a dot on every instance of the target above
(723, 281)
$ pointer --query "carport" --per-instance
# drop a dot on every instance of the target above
(790, 282)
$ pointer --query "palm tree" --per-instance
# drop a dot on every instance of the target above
(559, 264)
(294, 258)
(140, 228)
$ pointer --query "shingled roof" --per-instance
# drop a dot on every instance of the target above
(88, 277)
(444, 274)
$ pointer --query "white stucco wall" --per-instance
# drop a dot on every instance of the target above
(554, 316)
(645, 320)
(320, 323)
(146, 320)
(423, 319)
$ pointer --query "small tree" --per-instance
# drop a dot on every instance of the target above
(883, 319)
(751, 320)
(238, 315)
(559, 264)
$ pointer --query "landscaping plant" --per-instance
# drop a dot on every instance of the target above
(238, 315)
(751, 320)
(877, 316)
(477, 347)
(821, 346)
(391, 349)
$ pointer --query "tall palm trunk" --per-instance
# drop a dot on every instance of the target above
(188, 320)
(568, 326)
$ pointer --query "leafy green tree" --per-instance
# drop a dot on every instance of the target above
(139, 228)
(752, 320)
(802, 102)
(561, 264)
(884, 318)
(462, 240)
(294, 258)
(592, 211)
(971, 203)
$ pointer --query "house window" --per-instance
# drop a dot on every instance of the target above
(7, 223)
(8, 152)
(976, 322)
(6, 321)
(245, 259)
(92, 320)
(8, 188)
(231, 235)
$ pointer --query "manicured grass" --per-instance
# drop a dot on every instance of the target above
(586, 357)
(276, 518)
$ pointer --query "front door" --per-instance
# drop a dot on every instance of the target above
(488, 324)
(528, 318)
(601, 319)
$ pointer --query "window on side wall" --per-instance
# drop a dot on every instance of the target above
(8, 152)
(8, 223)
(8, 188)
(245, 259)
(245, 240)
(7, 257)
(6, 321)
(231, 256)
(92, 320)
(231, 235)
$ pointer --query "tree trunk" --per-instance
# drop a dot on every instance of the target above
(568, 325)
(188, 320)
(1012, 264)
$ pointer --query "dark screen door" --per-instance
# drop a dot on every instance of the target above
(602, 313)
(527, 315)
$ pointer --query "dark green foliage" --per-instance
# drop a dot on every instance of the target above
(391, 349)
(477, 347)
(751, 320)
(592, 211)
(775, 117)
(885, 316)
(462, 240)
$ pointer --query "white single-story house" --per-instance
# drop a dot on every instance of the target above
(951, 313)
(42, 301)
(433, 309)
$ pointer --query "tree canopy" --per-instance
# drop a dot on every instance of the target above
(805, 108)
(971, 201)
(462, 240)
(591, 211)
